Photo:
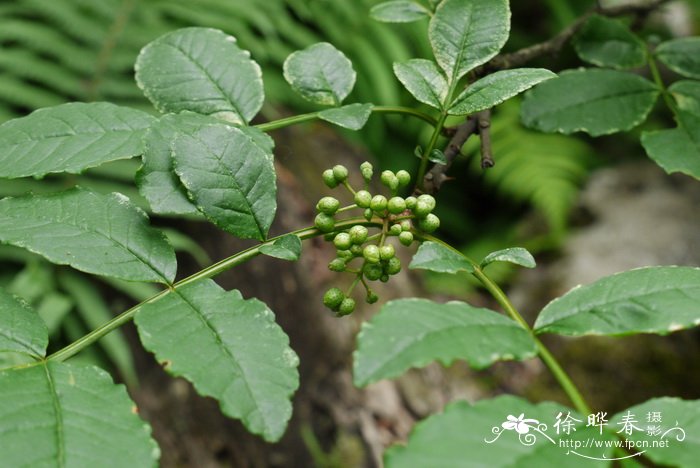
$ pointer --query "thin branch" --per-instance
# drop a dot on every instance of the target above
(484, 120)
(434, 179)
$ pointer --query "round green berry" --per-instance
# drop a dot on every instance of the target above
(337, 265)
(328, 205)
(378, 203)
(367, 170)
(368, 214)
(371, 297)
(329, 178)
(393, 266)
(333, 298)
(358, 234)
(411, 202)
(387, 178)
(346, 307)
(386, 252)
(363, 198)
(371, 253)
(340, 173)
(384, 278)
(395, 230)
(396, 205)
(372, 271)
(406, 225)
(429, 199)
(345, 254)
(404, 178)
(342, 241)
(324, 223)
(406, 238)
(422, 209)
(430, 223)
(356, 250)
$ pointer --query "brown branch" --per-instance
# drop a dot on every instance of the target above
(484, 120)
(460, 134)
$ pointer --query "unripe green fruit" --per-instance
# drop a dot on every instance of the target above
(406, 238)
(393, 266)
(422, 209)
(429, 199)
(324, 223)
(430, 223)
(342, 241)
(337, 265)
(329, 178)
(340, 173)
(396, 205)
(372, 271)
(395, 230)
(328, 205)
(387, 177)
(356, 250)
(363, 198)
(384, 278)
(368, 214)
(371, 297)
(411, 202)
(404, 178)
(386, 252)
(358, 234)
(346, 307)
(367, 170)
(378, 203)
(406, 225)
(345, 254)
(371, 253)
(333, 298)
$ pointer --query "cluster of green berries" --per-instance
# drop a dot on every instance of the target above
(375, 252)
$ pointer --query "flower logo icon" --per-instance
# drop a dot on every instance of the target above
(519, 424)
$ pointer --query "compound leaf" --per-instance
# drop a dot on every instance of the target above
(100, 234)
(70, 138)
(241, 356)
(352, 116)
(398, 11)
(436, 257)
(414, 332)
(21, 328)
(286, 248)
(607, 42)
(201, 70)
(424, 80)
(677, 149)
(646, 300)
(57, 414)
(681, 55)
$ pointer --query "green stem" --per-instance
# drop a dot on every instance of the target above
(431, 145)
(209, 272)
(297, 119)
(660, 83)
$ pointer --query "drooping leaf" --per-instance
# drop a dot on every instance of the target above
(201, 70)
(487, 434)
(598, 102)
(608, 42)
(320, 74)
(678, 149)
(681, 55)
(398, 11)
(496, 88)
(235, 352)
(286, 247)
(646, 300)
(676, 423)
(70, 138)
(436, 257)
(229, 177)
(21, 328)
(467, 33)
(56, 414)
(414, 332)
(515, 255)
(352, 116)
(687, 95)
(99, 234)
(424, 80)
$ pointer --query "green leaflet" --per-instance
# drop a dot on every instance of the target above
(286, 248)
(496, 88)
(414, 332)
(681, 55)
(646, 300)
(99, 234)
(320, 74)
(56, 414)
(607, 42)
(687, 95)
(598, 102)
(467, 33)
(436, 257)
(230, 177)
(70, 138)
(242, 358)
(515, 255)
(352, 116)
(21, 328)
(398, 11)
(424, 80)
(678, 149)
(201, 70)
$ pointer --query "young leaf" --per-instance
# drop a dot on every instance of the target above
(436, 257)
(424, 80)
(320, 74)
(414, 332)
(99, 234)
(398, 11)
(678, 149)
(70, 138)
(241, 357)
(681, 55)
(229, 177)
(598, 102)
(646, 300)
(21, 329)
(607, 42)
(202, 70)
(287, 248)
(56, 414)
(467, 33)
(678, 427)
(496, 88)
(352, 116)
(687, 95)
(515, 255)
(437, 156)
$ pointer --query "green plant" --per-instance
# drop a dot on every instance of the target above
(203, 158)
